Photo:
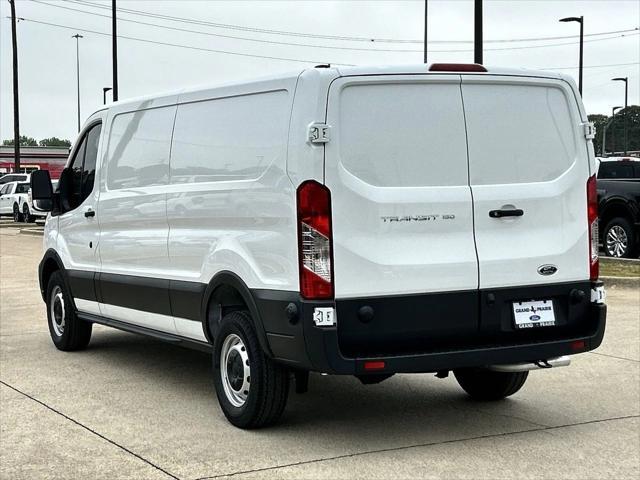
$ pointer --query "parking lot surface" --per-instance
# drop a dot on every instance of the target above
(133, 407)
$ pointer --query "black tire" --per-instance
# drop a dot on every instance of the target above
(483, 384)
(72, 333)
(266, 396)
(26, 214)
(619, 239)
(17, 216)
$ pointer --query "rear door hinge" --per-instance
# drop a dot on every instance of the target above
(589, 130)
(318, 133)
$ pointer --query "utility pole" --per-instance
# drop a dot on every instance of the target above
(626, 109)
(580, 20)
(114, 49)
(77, 36)
(603, 150)
(16, 103)
(426, 16)
(477, 41)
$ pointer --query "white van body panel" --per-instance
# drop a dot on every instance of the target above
(529, 154)
(230, 204)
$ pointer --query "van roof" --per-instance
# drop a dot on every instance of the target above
(409, 69)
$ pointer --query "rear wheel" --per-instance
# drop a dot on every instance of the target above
(67, 331)
(26, 214)
(619, 240)
(17, 216)
(483, 384)
(252, 389)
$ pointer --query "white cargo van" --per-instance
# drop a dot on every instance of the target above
(360, 221)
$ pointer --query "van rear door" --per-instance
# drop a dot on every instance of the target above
(402, 214)
(527, 157)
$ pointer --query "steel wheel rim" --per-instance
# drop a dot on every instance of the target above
(57, 311)
(617, 241)
(235, 370)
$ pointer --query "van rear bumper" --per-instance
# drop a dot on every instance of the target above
(300, 344)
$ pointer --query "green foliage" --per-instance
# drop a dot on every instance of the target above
(54, 142)
(24, 141)
(615, 130)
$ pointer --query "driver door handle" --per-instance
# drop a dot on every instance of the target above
(89, 212)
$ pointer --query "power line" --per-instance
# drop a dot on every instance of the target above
(328, 37)
(226, 52)
(319, 46)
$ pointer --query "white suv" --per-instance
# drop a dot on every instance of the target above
(360, 221)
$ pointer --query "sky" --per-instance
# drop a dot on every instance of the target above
(47, 53)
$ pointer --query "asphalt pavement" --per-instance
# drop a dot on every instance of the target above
(133, 407)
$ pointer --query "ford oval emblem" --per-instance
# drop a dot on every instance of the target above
(534, 318)
(547, 269)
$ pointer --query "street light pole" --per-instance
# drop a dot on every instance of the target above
(426, 16)
(114, 49)
(477, 32)
(580, 20)
(16, 103)
(104, 94)
(626, 98)
(613, 125)
(77, 36)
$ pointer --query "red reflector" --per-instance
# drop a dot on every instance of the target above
(578, 345)
(456, 67)
(374, 365)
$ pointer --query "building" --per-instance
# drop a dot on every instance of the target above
(34, 158)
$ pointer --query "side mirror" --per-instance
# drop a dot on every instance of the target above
(41, 191)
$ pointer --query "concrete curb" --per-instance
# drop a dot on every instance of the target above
(625, 282)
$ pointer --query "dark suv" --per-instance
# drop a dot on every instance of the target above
(619, 206)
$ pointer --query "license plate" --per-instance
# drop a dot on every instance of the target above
(533, 314)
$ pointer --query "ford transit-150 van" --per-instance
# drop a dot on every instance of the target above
(359, 221)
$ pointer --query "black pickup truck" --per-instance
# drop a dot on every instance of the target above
(619, 206)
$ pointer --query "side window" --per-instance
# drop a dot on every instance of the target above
(5, 189)
(90, 157)
(233, 138)
(83, 168)
(139, 145)
(74, 192)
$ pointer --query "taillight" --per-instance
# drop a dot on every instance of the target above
(592, 218)
(315, 241)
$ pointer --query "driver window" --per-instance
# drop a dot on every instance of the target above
(82, 168)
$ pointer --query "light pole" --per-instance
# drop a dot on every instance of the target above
(580, 20)
(77, 36)
(114, 50)
(16, 103)
(104, 94)
(426, 10)
(613, 125)
(626, 98)
(477, 32)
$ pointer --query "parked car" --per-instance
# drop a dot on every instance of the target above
(29, 212)
(14, 177)
(361, 221)
(619, 206)
(10, 196)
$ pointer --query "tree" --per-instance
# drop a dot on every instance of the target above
(615, 131)
(54, 142)
(24, 141)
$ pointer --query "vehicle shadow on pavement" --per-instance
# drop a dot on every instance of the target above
(402, 405)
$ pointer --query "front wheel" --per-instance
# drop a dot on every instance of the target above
(619, 238)
(67, 331)
(251, 388)
(483, 384)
